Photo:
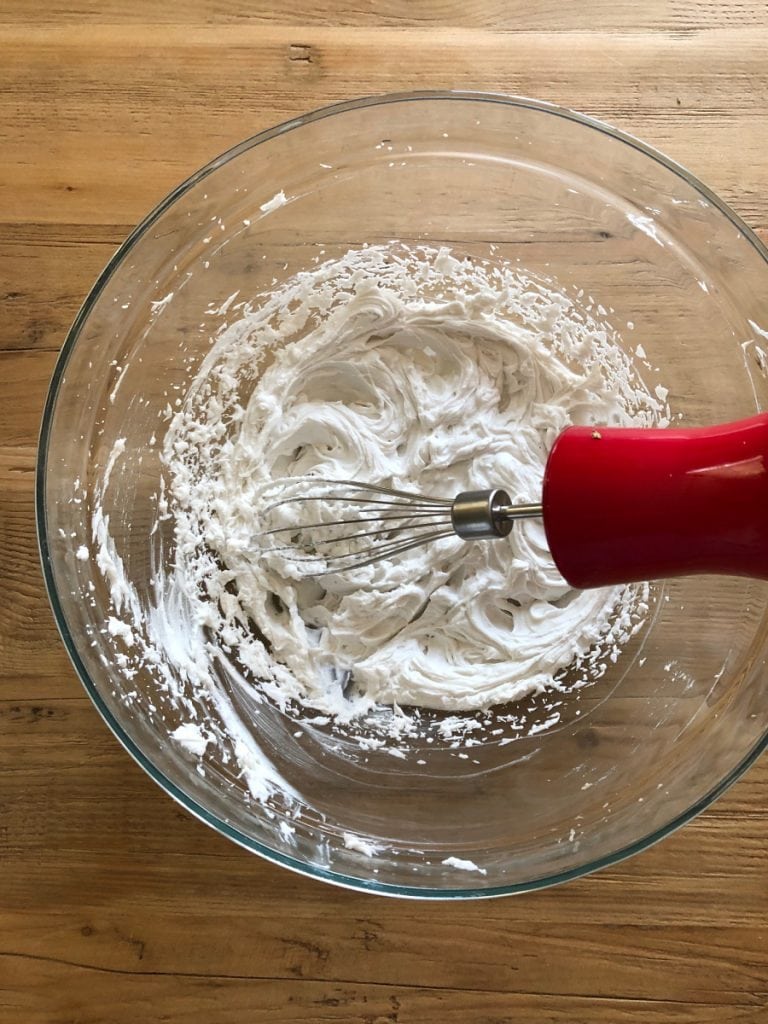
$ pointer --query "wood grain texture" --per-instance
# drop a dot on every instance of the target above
(116, 905)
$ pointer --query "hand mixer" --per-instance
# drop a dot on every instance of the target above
(619, 504)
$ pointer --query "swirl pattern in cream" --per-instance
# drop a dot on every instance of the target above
(420, 370)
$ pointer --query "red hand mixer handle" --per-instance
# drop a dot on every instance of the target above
(624, 504)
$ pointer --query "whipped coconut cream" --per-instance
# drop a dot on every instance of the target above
(418, 369)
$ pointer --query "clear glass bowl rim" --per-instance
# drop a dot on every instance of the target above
(112, 266)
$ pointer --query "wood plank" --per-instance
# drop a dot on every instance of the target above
(24, 379)
(54, 990)
(39, 306)
(652, 85)
(499, 15)
(30, 649)
(506, 959)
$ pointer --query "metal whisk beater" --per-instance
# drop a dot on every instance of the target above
(378, 523)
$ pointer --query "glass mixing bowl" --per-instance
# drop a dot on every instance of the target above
(682, 712)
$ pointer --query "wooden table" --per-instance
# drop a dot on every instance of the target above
(117, 906)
